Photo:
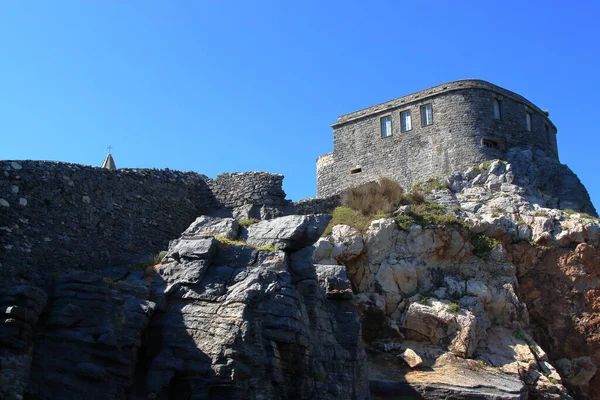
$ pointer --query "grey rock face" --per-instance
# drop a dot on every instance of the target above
(20, 308)
(211, 226)
(248, 329)
(87, 345)
(288, 233)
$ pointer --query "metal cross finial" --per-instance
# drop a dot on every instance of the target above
(109, 148)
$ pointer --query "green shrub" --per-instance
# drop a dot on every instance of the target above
(350, 217)
(454, 307)
(424, 299)
(159, 257)
(374, 197)
(519, 335)
(245, 222)
(483, 245)
(424, 214)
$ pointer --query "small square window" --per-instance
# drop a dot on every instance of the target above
(528, 121)
(426, 115)
(386, 127)
(497, 108)
(405, 121)
(490, 144)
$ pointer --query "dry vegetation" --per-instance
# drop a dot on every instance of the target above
(374, 197)
(375, 200)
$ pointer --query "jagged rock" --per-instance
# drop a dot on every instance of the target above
(577, 371)
(288, 233)
(347, 243)
(272, 325)
(87, 345)
(455, 379)
(20, 309)
(334, 281)
(206, 226)
(323, 250)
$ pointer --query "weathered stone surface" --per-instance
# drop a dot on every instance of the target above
(252, 331)
(455, 379)
(212, 226)
(347, 243)
(288, 233)
(87, 345)
(411, 358)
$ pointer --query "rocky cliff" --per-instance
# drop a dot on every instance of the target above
(499, 300)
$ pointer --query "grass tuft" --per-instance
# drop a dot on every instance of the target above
(350, 217)
(246, 222)
(230, 242)
(454, 307)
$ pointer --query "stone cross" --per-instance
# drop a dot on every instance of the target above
(109, 148)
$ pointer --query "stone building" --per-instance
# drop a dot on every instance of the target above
(432, 133)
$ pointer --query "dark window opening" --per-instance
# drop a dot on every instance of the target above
(497, 109)
(355, 170)
(490, 144)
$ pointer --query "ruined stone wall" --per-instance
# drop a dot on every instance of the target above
(241, 188)
(463, 120)
(57, 215)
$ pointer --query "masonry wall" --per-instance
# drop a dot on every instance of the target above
(463, 117)
(60, 216)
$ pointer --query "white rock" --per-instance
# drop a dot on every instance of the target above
(323, 249)
(23, 201)
(380, 239)
(347, 243)
(480, 290)
(15, 165)
(14, 189)
(4, 203)
(455, 286)
(411, 358)
(405, 276)
(86, 199)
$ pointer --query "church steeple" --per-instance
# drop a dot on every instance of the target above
(109, 162)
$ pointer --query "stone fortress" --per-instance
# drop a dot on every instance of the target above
(432, 133)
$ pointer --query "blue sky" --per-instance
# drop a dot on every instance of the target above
(223, 86)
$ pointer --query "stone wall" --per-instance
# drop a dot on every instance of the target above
(322, 205)
(242, 188)
(463, 120)
(57, 215)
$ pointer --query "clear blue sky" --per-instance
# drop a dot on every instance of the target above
(222, 86)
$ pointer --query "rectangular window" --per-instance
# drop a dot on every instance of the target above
(490, 144)
(528, 121)
(497, 114)
(426, 115)
(386, 126)
(405, 121)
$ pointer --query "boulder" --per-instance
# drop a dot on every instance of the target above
(206, 226)
(347, 243)
(289, 233)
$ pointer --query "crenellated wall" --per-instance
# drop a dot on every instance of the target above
(58, 215)
(463, 122)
